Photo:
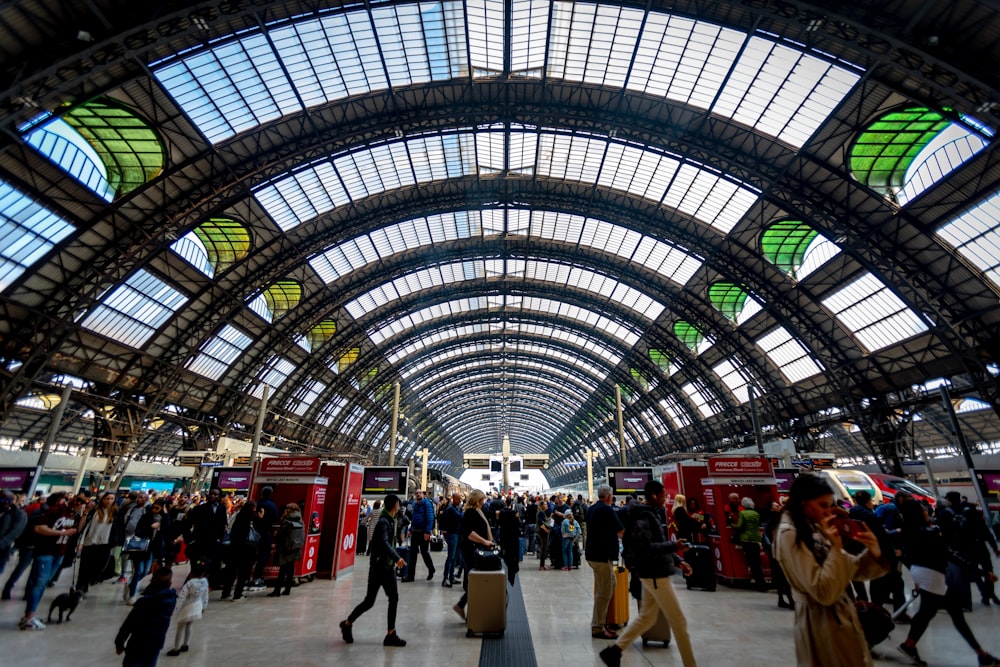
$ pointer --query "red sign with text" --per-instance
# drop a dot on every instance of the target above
(306, 466)
(348, 533)
(742, 466)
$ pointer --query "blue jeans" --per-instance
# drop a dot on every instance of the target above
(529, 532)
(41, 572)
(567, 551)
(140, 567)
(24, 557)
(451, 539)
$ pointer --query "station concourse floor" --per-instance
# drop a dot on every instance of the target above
(728, 627)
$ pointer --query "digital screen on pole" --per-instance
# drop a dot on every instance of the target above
(231, 479)
(785, 477)
(629, 480)
(989, 480)
(17, 480)
(384, 480)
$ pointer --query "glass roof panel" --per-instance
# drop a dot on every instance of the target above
(282, 296)
(790, 356)
(949, 150)
(67, 148)
(784, 243)
(226, 242)
(644, 306)
(735, 378)
(218, 353)
(672, 407)
(976, 236)
(334, 406)
(236, 85)
(315, 189)
(877, 317)
(662, 360)
(668, 260)
(132, 312)
(320, 333)
(273, 374)
(28, 231)
(312, 393)
(700, 399)
(782, 91)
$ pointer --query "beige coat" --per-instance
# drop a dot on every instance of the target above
(827, 630)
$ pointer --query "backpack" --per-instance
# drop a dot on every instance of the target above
(295, 536)
(630, 541)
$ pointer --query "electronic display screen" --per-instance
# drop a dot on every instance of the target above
(231, 479)
(629, 480)
(17, 480)
(496, 466)
(515, 466)
(383, 480)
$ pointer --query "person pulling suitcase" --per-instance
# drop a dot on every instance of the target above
(382, 574)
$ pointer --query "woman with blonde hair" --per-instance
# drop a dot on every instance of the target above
(474, 532)
(95, 543)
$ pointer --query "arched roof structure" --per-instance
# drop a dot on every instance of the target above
(510, 207)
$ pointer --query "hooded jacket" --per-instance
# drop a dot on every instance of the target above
(145, 628)
(656, 555)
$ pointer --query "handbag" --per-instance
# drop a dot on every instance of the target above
(253, 537)
(487, 560)
(135, 544)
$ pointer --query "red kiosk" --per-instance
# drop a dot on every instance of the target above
(340, 516)
(683, 477)
(748, 477)
(295, 479)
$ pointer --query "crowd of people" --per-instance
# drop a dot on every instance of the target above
(820, 566)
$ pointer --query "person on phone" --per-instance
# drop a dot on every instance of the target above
(810, 548)
(381, 574)
(930, 559)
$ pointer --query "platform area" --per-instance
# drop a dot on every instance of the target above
(551, 627)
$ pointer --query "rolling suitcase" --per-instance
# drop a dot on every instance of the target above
(699, 557)
(660, 632)
(618, 607)
(486, 613)
(404, 553)
(437, 543)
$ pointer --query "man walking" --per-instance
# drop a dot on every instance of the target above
(601, 552)
(645, 535)
(381, 574)
(421, 525)
(12, 523)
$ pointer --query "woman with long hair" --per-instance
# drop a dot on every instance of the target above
(810, 549)
(474, 532)
(95, 543)
(928, 557)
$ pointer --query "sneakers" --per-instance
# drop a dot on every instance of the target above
(393, 640)
(989, 661)
(345, 631)
(33, 623)
(612, 656)
(911, 653)
(459, 610)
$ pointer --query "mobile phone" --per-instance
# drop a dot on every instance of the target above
(849, 528)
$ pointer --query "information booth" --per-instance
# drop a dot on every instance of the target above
(748, 477)
(340, 518)
(296, 480)
(684, 477)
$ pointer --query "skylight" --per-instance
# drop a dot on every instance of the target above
(877, 317)
(976, 236)
(28, 231)
(218, 353)
(132, 312)
(790, 356)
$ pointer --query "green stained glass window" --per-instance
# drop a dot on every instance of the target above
(347, 359)
(282, 296)
(882, 154)
(367, 378)
(639, 378)
(383, 392)
(322, 332)
(628, 394)
(688, 334)
(661, 359)
(785, 243)
(226, 241)
(131, 151)
(728, 298)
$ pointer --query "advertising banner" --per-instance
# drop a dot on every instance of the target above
(292, 465)
(739, 466)
(347, 533)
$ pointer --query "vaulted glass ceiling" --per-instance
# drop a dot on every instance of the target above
(510, 207)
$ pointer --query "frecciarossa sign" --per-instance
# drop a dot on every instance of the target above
(290, 466)
(739, 465)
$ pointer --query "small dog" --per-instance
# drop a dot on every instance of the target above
(66, 603)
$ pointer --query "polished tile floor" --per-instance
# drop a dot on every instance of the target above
(729, 627)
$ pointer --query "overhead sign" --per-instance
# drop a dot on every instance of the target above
(211, 464)
(739, 466)
(306, 466)
(749, 480)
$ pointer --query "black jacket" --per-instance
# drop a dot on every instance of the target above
(12, 524)
(145, 628)
(383, 543)
(157, 538)
(654, 555)
(203, 527)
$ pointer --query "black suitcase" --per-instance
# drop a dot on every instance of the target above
(404, 553)
(699, 557)
(437, 543)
